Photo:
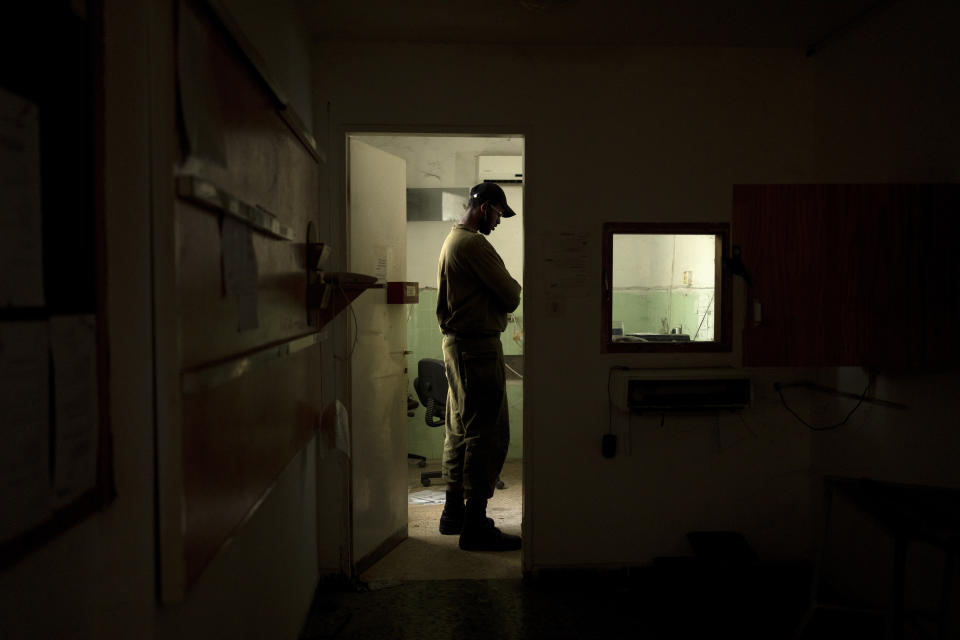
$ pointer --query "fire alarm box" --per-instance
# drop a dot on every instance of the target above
(403, 293)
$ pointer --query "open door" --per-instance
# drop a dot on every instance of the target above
(377, 232)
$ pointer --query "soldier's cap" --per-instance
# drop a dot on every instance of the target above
(492, 193)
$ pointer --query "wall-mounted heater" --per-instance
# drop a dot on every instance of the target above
(658, 390)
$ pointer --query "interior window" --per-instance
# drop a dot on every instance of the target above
(665, 287)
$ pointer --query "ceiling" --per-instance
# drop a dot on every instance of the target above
(443, 161)
(747, 23)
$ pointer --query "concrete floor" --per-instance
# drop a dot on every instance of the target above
(428, 588)
(427, 555)
(649, 604)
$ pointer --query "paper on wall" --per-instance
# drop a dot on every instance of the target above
(382, 254)
(335, 430)
(73, 344)
(21, 219)
(566, 264)
(240, 270)
(26, 492)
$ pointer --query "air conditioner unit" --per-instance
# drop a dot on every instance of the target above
(658, 390)
(508, 169)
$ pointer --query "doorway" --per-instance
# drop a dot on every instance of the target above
(439, 170)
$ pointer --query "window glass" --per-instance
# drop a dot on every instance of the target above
(663, 287)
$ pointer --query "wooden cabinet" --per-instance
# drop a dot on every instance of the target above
(860, 275)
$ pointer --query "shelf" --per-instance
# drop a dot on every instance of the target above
(210, 196)
(215, 374)
(334, 293)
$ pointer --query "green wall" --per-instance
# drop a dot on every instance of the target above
(424, 340)
(641, 310)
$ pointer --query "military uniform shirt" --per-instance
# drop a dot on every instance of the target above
(475, 290)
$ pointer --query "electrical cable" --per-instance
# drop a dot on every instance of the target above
(515, 372)
(716, 432)
(745, 425)
(610, 401)
(356, 325)
(863, 395)
(705, 312)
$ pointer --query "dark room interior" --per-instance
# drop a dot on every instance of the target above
(740, 317)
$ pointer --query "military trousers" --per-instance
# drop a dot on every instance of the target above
(477, 417)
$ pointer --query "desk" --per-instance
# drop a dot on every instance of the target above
(907, 513)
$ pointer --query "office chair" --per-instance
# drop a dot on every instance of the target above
(431, 387)
(411, 406)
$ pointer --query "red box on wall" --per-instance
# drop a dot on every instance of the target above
(403, 293)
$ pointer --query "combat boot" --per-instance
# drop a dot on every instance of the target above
(451, 520)
(479, 532)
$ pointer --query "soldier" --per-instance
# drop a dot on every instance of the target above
(475, 295)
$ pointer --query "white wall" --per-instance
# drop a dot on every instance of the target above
(425, 239)
(629, 134)
(660, 260)
(696, 254)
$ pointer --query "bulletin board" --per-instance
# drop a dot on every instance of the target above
(56, 460)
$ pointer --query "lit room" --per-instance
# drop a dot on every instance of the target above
(439, 172)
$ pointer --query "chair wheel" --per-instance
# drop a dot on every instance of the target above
(500, 484)
(421, 463)
(425, 482)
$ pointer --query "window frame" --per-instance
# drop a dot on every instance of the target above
(723, 291)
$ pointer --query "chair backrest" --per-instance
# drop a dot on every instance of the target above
(431, 387)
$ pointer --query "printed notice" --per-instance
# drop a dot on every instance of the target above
(383, 257)
(240, 270)
(21, 240)
(73, 344)
(26, 495)
(566, 264)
